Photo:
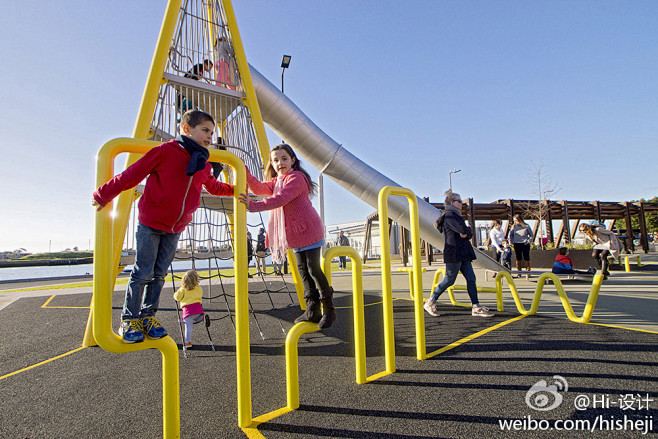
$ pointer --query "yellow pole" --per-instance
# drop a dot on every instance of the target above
(142, 125)
(357, 304)
(103, 282)
(292, 361)
(389, 340)
(296, 278)
(242, 344)
(387, 293)
(245, 74)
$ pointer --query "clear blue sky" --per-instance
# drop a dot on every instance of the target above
(413, 88)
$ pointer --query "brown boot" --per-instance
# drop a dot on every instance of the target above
(328, 313)
(312, 313)
(527, 265)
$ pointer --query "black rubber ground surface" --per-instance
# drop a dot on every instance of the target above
(464, 392)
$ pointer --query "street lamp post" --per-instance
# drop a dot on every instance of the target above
(454, 171)
(285, 62)
(541, 215)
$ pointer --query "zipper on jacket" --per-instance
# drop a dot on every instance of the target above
(182, 210)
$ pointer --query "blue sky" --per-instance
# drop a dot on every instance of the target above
(413, 88)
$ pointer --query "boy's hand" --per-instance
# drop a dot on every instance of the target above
(96, 205)
(463, 235)
(244, 199)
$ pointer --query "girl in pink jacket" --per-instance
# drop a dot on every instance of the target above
(294, 224)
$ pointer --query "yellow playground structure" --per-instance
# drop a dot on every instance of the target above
(198, 33)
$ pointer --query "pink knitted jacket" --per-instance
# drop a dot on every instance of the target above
(303, 224)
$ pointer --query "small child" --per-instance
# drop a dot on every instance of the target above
(506, 255)
(189, 295)
(294, 224)
(175, 173)
(564, 265)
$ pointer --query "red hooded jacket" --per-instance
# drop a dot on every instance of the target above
(170, 196)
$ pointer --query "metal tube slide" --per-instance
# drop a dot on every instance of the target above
(321, 151)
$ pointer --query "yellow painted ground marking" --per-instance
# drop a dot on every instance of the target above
(45, 305)
(41, 364)
(473, 336)
(624, 327)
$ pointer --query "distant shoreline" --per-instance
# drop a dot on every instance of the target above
(45, 262)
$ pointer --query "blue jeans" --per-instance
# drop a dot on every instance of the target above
(155, 251)
(452, 270)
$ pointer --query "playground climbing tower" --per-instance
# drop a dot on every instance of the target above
(199, 62)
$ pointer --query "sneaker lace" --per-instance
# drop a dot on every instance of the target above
(134, 325)
(151, 322)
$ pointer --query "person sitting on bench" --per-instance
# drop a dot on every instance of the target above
(564, 265)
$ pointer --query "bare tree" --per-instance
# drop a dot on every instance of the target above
(541, 186)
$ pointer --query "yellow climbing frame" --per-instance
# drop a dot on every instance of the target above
(387, 292)
(99, 328)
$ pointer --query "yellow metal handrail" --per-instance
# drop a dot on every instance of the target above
(589, 306)
(387, 292)
(541, 281)
(292, 340)
(100, 320)
(627, 263)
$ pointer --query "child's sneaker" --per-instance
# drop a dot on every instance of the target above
(153, 328)
(131, 331)
(187, 346)
(431, 308)
(481, 311)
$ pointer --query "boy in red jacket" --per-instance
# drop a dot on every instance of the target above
(175, 171)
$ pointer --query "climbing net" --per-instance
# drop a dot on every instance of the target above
(201, 73)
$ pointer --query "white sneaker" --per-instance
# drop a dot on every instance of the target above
(431, 308)
(481, 311)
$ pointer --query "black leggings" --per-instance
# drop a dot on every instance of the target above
(522, 252)
(601, 257)
(308, 264)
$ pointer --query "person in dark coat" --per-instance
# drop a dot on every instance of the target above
(457, 255)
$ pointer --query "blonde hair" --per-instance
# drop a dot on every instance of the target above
(451, 197)
(587, 230)
(190, 280)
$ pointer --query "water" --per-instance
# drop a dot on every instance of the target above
(40, 272)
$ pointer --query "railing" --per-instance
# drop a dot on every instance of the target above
(99, 326)
(292, 340)
(387, 292)
(541, 281)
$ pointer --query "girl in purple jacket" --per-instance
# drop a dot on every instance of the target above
(294, 224)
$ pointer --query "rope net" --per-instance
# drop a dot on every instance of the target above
(202, 73)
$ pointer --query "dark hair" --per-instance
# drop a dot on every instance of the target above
(196, 117)
(519, 217)
(496, 222)
(271, 173)
(563, 250)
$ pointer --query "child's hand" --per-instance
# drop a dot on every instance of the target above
(463, 235)
(96, 205)
(244, 199)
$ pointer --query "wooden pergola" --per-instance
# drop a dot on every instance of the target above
(546, 212)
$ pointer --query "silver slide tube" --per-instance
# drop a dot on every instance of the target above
(321, 151)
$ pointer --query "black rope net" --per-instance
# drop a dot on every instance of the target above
(201, 73)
